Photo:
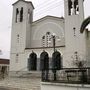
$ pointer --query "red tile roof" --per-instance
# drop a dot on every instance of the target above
(4, 61)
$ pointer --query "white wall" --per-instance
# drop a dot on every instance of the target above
(23, 58)
(74, 40)
(47, 24)
(88, 47)
(62, 86)
(23, 30)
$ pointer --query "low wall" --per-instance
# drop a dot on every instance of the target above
(63, 86)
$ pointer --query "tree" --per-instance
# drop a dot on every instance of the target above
(84, 24)
(78, 60)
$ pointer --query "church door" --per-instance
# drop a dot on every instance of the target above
(56, 60)
(32, 61)
(44, 61)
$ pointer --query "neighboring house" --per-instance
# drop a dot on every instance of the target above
(4, 66)
(35, 36)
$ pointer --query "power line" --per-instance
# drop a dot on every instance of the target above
(47, 10)
(42, 13)
(45, 2)
(49, 7)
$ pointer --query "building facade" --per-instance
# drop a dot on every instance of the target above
(28, 36)
(4, 67)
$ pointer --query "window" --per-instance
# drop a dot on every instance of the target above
(43, 41)
(17, 55)
(69, 6)
(73, 7)
(76, 6)
(48, 38)
(21, 14)
(18, 38)
(29, 16)
(17, 12)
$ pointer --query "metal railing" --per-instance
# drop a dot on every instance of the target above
(67, 75)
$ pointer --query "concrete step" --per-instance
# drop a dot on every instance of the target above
(31, 74)
(25, 74)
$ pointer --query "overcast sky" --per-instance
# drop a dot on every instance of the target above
(42, 8)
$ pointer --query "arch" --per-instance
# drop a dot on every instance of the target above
(17, 12)
(44, 61)
(55, 26)
(73, 7)
(46, 38)
(84, 24)
(21, 14)
(32, 61)
(56, 60)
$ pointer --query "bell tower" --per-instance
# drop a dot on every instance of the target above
(21, 25)
(21, 30)
(75, 42)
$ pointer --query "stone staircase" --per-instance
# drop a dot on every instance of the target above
(24, 81)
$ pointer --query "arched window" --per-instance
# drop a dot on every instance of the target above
(30, 16)
(32, 61)
(17, 13)
(73, 7)
(43, 41)
(69, 6)
(48, 38)
(76, 6)
(21, 14)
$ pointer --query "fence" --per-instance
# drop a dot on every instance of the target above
(67, 75)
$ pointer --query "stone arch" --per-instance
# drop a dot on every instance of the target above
(39, 31)
(44, 61)
(56, 60)
(32, 61)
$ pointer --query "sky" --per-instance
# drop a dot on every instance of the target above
(42, 8)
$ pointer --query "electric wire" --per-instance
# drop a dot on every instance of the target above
(46, 3)
(49, 5)
(46, 10)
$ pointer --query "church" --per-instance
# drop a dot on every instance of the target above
(30, 36)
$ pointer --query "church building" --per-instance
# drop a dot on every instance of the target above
(33, 37)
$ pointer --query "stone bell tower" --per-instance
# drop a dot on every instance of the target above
(74, 41)
(21, 28)
(21, 24)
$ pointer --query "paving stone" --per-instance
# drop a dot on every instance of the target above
(21, 83)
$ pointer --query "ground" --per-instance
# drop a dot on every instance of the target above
(20, 83)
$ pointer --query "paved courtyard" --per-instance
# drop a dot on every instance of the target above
(20, 83)
(6, 88)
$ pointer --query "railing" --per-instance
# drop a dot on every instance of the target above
(67, 75)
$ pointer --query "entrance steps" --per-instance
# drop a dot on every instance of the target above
(25, 74)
